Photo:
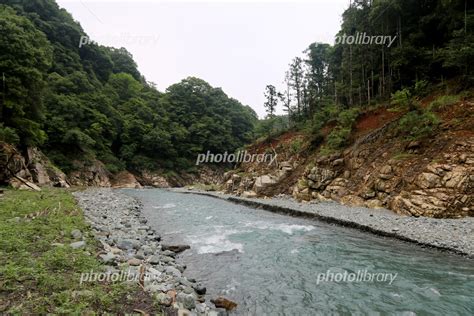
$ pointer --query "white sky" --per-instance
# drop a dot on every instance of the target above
(240, 46)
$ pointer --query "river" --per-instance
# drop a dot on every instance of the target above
(272, 264)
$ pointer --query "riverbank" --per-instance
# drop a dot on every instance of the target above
(131, 246)
(45, 246)
(452, 235)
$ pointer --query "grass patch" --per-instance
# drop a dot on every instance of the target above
(39, 277)
(403, 156)
(443, 102)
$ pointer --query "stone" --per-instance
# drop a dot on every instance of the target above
(222, 302)
(201, 308)
(374, 203)
(201, 290)
(172, 271)
(175, 248)
(78, 244)
(186, 300)
(154, 259)
(169, 253)
(321, 177)
(352, 200)
(108, 257)
(134, 262)
(125, 244)
(249, 194)
(76, 234)
(125, 179)
(428, 180)
(262, 183)
(163, 299)
(166, 259)
(338, 162)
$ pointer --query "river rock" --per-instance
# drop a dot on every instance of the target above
(175, 248)
(78, 244)
(134, 262)
(200, 289)
(154, 259)
(163, 299)
(76, 234)
(173, 271)
(186, 300)
(222, 302)
(107, 258)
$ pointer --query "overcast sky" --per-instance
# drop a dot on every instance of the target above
(240, 46)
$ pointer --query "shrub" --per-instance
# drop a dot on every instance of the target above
(418, 124)
(443, 101)
(421, 88)
(348, 117)
(338, 137)
(295, 146)
(8, 135)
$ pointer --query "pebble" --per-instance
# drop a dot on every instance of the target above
(78, 244)
(118, 224)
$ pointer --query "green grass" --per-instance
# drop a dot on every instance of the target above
(403, 156)
(444, 101)
(37, 277)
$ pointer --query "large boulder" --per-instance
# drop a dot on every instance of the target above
(262, 183)
(43, 171)
(91, 173)
(153, 179)
(12, 163)
(125, 179)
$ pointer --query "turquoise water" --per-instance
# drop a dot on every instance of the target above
(272, 264)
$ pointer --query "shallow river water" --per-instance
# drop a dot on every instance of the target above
(272, 264)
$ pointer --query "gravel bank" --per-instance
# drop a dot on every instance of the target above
(453, 235)
(132, 248)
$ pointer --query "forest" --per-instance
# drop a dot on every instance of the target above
(91, 102)
(432, 50)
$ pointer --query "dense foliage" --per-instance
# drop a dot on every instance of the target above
(91, 102)
(433, 45)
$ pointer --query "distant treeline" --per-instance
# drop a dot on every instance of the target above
(91, 102)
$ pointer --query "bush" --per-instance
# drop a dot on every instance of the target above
(347, 118)
(418, 124)
(8, 135)
(295, 146)
(338, 137)
(443, 101)
(421, 88)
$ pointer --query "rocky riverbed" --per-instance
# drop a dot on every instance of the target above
(454, 235)
(131, 247)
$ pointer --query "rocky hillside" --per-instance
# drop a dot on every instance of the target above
(432, 176)
(31, 169)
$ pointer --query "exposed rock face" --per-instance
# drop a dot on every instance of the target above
(42, 170)
(90, 174)
(12, 163)
(414, 186)
(262, 183)
(153, 179)
(27, 173)
(431, 177)
(125, 179)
